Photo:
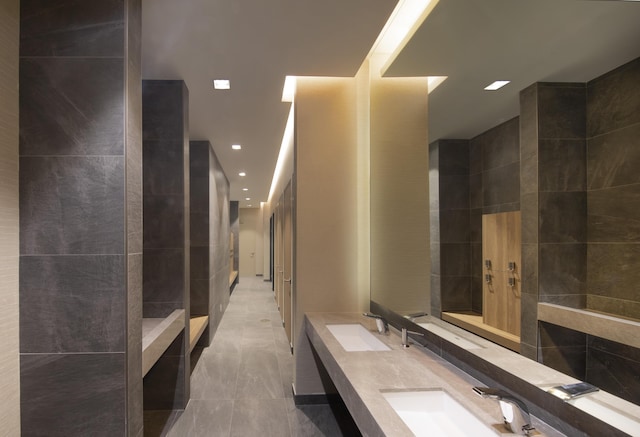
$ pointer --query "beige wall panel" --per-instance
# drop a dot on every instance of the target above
(400, 194)
(248, 241)
(9, 218)
(326, 172)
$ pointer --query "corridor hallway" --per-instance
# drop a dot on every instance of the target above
(241, 385)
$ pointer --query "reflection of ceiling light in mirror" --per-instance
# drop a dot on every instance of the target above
(242, 173)
(402, 23)
(287, 143)
(289, 89)
(496, 85)
(434, 81)
(236, 147)
(221, 84)
(247, 198)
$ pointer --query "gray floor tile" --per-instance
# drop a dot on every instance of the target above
(259, 376)
(260, 417)
(204, 418)
(215, 377)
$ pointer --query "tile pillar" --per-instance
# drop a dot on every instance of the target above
(553, 199)
(450, 234)
(209, 226)
(80, 218)
(166, 242)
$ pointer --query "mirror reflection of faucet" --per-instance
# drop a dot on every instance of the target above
(405, 336)
(381, 323)
(514, 412)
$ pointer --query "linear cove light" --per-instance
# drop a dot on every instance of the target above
(496, 85)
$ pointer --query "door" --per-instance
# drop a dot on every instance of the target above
(287, 259)
(501, 254)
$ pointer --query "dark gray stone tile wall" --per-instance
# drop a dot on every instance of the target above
(450, 226)
(210, 229)
(81, 218)
(613, 180)
(166, 234)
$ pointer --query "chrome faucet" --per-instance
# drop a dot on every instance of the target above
(405, 336)
(381, 323)
(514, 412)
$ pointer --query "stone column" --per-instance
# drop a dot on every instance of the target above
(80, 218)
(553, 201)
(166, 234)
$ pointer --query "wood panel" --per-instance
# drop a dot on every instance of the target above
(501, 243)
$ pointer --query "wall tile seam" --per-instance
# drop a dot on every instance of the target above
(86, 57)
(565, 191)
(122, 155)
(507, 164)
(593, 190)
(73, 353)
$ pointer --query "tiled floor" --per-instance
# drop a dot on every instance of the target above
(241, 385)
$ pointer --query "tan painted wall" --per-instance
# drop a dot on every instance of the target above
(9, 348)
(248, 241)
(400, 256)
(326, 174)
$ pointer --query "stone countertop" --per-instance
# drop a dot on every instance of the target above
(360, 377)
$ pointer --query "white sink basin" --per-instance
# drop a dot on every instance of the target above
(434, 413)
(607, 414)
(355, 337)
(448, 335)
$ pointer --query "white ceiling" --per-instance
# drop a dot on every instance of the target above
(256, 44)
(476, 42)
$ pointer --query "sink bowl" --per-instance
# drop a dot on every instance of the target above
(608, 414)
(435, 413)
(448, 335)
(354, 337)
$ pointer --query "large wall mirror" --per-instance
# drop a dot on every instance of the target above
(534, 193)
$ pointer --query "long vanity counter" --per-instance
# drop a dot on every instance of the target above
(363, 378)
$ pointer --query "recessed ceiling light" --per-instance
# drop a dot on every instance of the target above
(245, 189)
(247, 198)
(242, 173)
(221, 84)
(236, 147)
(496, 85)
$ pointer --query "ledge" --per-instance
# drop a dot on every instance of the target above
(602, 325)
(157, 335)
(473, 323)
(232, 277)
(197, 325)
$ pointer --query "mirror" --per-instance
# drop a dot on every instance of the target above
(554, 144)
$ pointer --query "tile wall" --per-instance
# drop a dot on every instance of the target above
(166, 266)
(468, 178)
(209, 216)
(80, 215)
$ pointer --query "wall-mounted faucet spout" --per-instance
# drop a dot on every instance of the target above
(514, 412)
(381, 323)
